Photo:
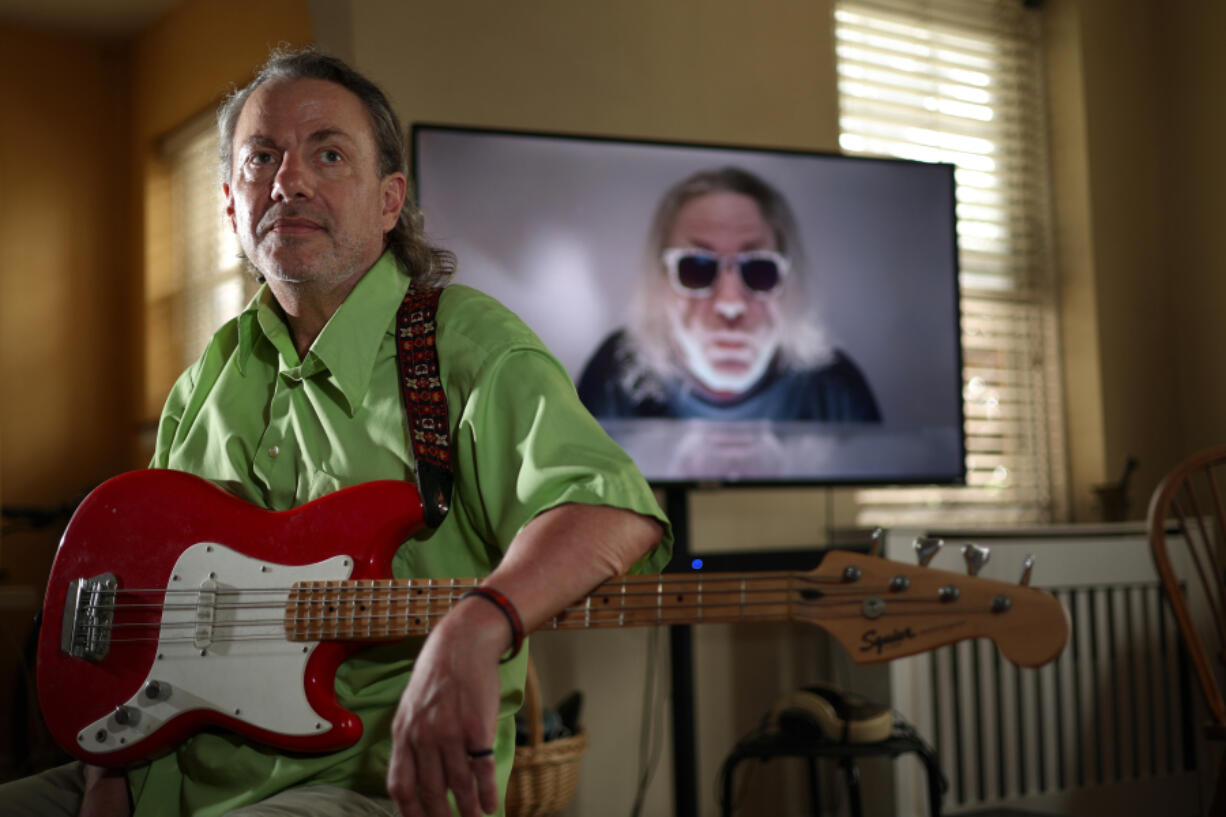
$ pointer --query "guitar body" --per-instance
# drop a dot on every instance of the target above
(139, 610)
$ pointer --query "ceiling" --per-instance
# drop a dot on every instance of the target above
(97, 18)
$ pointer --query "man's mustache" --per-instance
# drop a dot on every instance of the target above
(277, 213)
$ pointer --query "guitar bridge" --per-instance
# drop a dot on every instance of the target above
(89, 612)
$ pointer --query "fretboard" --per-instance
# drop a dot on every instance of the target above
(382, 610)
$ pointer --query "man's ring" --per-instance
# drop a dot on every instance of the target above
(480, 753)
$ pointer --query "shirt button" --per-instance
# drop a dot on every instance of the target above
(274, 450)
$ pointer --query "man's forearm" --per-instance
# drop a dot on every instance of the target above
(564, 553)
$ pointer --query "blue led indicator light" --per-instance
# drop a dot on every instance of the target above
(696, 564)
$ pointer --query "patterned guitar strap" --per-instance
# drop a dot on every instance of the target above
(424, 401)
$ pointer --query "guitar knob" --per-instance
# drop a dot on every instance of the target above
(123, 715)
(1027, 566)
(926, 547)
(876, 542)
(157, 690)
(976, 557)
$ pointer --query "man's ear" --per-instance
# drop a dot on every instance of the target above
(395, 188)
(229, 194)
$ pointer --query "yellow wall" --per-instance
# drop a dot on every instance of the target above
(64, 322)
(643, 68)
(1193, 163)
(64, 310)
(1136, 124)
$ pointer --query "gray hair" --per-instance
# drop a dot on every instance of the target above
(428, 265)
(802, 343)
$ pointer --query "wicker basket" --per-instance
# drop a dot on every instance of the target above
(546, 774)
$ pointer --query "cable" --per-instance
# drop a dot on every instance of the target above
(649, 735)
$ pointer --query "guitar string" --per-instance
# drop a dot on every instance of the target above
(413, 592)
(352, 625)
(348, 613)
(445, 587)
(611, 602)
(603, 600)
(643, 585)
(603, 614)
(369, 635)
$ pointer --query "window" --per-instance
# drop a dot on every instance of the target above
(194, 280)
(212, 287)
(959, 81)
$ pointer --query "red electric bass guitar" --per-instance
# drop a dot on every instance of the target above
(173, 606)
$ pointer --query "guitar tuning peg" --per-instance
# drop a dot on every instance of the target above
(926, 547)
(876, 542)
(976, 557)
(1027, 566)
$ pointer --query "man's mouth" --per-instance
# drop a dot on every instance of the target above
(294, 225)
(726, 345)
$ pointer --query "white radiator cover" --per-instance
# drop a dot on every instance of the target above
(1100, 731)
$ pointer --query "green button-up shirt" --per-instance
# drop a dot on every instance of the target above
(280, 431)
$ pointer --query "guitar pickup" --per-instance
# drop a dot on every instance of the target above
(89, 615)
(206, 614)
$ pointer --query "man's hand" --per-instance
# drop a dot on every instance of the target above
(450, 707)
(449, 710)
(106, 793)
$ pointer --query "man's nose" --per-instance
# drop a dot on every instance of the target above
(729, 294)
(293, 180)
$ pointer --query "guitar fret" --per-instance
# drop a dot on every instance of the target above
(312, 618)
(742, 598)
(453, 599)
(377, 608)
(365, 603)
(430, 599)
(660, 601)
(332, 592)
(395, 622)
(621, 616)
(416, 616)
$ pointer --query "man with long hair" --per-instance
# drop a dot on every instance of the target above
(724, 326)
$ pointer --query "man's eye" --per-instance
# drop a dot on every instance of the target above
(330, 156)
(260, 158)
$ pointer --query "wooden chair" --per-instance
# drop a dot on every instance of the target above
(1187, 529)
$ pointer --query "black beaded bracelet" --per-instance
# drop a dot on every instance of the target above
(508, 609)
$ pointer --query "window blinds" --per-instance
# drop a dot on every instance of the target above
(959, 81)
(212, 287)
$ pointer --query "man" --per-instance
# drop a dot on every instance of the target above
(723, 326)
(299, 396)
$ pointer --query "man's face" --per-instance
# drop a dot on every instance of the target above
(726, 339)
(305, 197)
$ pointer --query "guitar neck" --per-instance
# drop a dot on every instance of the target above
(877, 609)
(396, 608)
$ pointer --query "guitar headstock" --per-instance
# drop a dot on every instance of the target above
(880, 610)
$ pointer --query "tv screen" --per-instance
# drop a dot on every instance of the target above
(728, 314)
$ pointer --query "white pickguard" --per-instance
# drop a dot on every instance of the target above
(222, 652)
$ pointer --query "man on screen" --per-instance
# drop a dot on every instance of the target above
(722, 327)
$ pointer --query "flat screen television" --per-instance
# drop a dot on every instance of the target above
(730, 314)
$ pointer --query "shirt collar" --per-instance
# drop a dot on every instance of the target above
(349, 343)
